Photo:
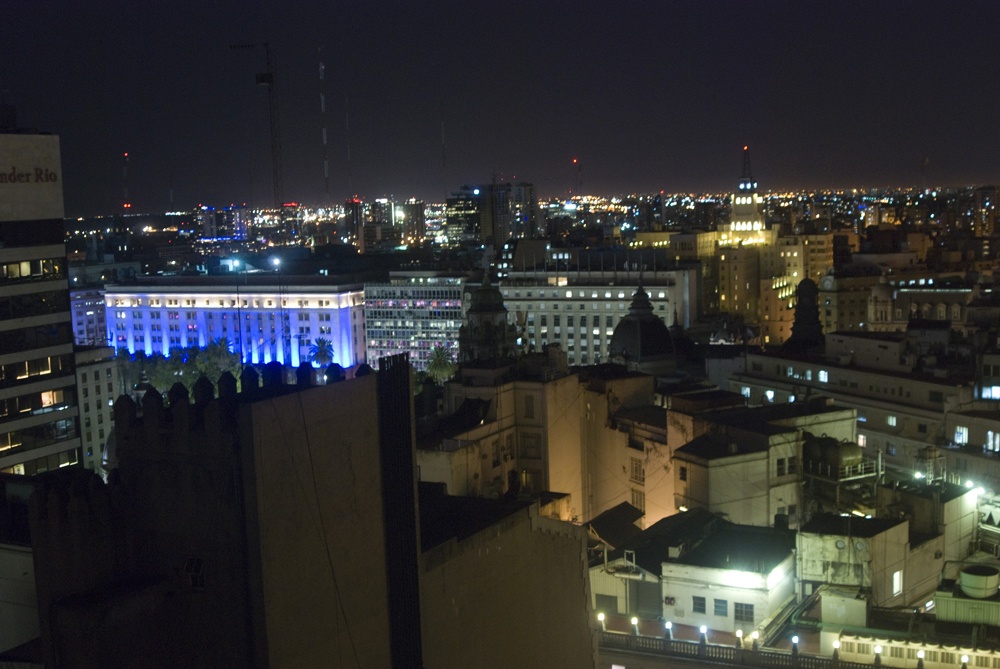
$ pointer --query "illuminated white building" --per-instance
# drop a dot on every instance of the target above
(579, 310)
(265, 317)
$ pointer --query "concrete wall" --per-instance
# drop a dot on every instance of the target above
(960, 519)
(566, 463)
(318, 499)
(18, 602)
(738, 488)
(530, 573)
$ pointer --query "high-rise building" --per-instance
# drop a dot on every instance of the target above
(492, 213)
(413, 314)
(414, 225)
(38, 405)
(353, 220)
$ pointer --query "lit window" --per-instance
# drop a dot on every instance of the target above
(769, 394)
(961, 435)
(824, 377)
(891, 421)
(863, 440)
(897, 583)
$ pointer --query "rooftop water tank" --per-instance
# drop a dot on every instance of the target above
(842, 454)
(979, 581)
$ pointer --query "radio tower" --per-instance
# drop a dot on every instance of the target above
(266, 79)
(322, 113)
(126, 204)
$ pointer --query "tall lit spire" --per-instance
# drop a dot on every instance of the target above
(747, 183)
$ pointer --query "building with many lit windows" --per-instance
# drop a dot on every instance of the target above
(38, 403)
(413, 314)
(579, 310)
(266, 316)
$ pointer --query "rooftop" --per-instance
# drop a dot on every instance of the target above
(921, 488)
(849, 526)
(445, 517)
(712, 447)
(742, 547)
(617, 525)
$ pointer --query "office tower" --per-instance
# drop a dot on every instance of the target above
(353, 220)
(205, 222)
(414, 225)
(493, 213)
(413, 314)
(38, 407)
(462, 216)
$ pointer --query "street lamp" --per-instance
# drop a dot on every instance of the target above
(739, 638)
(667, 626)
(600, 619)
(635, 625)
(795, 645)
(756, 637)
(878, 656)
(965, 662)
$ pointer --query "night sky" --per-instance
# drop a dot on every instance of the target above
(648, 95)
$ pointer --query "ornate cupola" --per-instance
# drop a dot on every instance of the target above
(487, 338)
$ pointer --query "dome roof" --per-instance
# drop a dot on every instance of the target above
(641, 334)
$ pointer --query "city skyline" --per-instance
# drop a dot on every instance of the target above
(428, 97)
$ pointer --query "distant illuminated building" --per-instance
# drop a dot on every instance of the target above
(414, 226)
(462, 216)
(492, 213)
(413, 314)
(265, 317)
(985, 221)
(579, 310)
(746, 223)
(353, 219)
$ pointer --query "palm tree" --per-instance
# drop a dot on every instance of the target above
(321, 352)
(441, 365)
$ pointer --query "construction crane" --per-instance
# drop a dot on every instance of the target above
(266, 79)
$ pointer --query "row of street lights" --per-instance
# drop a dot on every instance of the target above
(755, 639)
